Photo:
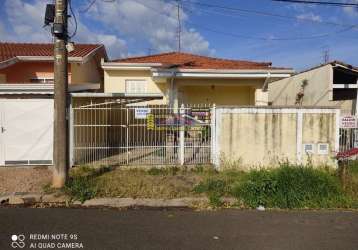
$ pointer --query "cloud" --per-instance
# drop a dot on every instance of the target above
(26, 25)
(149, 21)
(310, 16)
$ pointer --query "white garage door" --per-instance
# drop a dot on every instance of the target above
(26, 132)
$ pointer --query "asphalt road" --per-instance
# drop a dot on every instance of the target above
(178, 229)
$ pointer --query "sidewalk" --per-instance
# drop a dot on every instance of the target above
(24, 179)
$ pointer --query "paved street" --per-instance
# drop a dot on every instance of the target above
(179, 229)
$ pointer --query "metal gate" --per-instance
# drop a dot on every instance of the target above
(348, 139)
(112, 134)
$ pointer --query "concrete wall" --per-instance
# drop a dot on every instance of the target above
(318, 92)
(88, 72)
(264, 137)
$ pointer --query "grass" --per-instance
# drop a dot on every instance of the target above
(291, 187)
(284, 187)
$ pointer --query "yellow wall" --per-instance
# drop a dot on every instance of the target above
(190, 91)
(88, 72)
(219, 95)
(266, 139)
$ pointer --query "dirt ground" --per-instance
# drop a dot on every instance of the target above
(26, 179)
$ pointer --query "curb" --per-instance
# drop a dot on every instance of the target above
(36, 198)
(31, 198)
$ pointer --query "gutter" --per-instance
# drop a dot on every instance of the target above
(128, 66)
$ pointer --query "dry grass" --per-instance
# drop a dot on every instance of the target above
(142, 184)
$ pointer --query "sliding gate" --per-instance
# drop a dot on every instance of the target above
(113, 134)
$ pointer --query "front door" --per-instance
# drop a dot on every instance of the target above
(26, 131)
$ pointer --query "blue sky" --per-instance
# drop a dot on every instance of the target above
(139, 27)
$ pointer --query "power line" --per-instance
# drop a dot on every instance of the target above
(262, 13)
(89, 6)
(74, 18)
(256, 38)
(337, 4)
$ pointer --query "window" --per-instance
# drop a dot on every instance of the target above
(136, 86)
(323, 148)
(308, 148)
(42, 80)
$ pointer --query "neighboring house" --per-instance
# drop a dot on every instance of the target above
(26, 96)
(192, 79)
(333, 84)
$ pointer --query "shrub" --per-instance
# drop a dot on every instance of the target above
(290, 187)
(81, 188)
(82, 184)
(215, 188)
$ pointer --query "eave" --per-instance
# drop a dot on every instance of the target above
(42, 89)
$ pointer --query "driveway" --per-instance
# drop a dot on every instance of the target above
(180, 229)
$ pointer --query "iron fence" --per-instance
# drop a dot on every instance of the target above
(348, 139)
(109, 133)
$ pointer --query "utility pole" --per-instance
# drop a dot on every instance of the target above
(179, 26)
(61, 152)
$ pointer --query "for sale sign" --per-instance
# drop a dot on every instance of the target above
(349, 121)
(141, 113)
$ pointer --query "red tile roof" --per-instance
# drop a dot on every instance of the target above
(12, 50)
(191, 61)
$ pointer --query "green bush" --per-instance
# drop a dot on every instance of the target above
(290, 187)
(82, 185)
(81, 188)
(215, 188)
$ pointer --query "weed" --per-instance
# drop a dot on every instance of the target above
(290, 187)
(81, 188)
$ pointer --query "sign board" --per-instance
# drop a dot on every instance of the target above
(141, 113)
(348, 121)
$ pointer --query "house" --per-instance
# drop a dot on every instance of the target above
(179, 77)
(332, 85)
(26, 96)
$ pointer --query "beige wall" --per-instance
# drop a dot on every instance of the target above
(220, 95)
(88, 72)
(263, 138)
(190, 91)
(318, 92)
(219, 91)
(115, 82)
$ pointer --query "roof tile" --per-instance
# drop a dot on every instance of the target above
(191, 61)
(11, 50)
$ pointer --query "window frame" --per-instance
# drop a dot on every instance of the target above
(143, 91)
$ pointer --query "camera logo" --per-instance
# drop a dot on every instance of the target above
(18, 241)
